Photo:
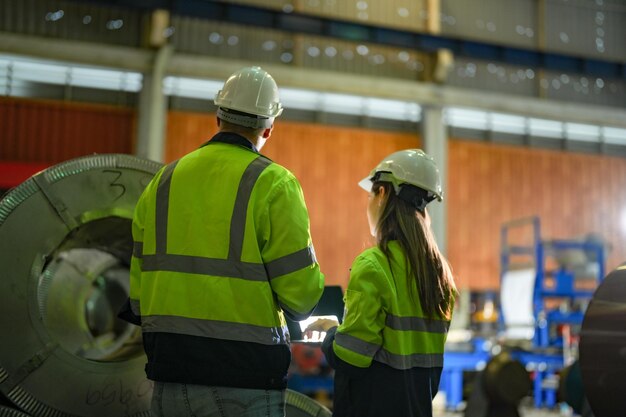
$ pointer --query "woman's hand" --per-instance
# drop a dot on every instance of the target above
(322, 325)
(317, 330)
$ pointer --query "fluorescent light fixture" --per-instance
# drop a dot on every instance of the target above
(114, 80)
(340, 103)
(614, 135)
(508, 123)
(40, 73)
(299, 99)
(349, 104)
(309, 100)
(18, 71)
(392, 109)
(191, 87)
(545, 128)
(467, 118)
(582, 132)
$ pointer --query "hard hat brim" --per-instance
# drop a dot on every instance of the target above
(366, 184)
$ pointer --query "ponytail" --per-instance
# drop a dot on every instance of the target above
(428, 269)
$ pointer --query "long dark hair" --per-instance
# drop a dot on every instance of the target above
(427, 267)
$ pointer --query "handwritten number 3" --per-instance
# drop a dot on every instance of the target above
(114, 183)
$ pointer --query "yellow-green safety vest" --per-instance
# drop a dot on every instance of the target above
(382, 322)
(222, 247)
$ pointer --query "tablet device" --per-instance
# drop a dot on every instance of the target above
(330, 304)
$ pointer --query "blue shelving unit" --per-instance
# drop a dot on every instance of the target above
(557, 283)
(554, 281)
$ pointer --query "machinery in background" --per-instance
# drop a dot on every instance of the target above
(571, 390)
(546, 286)
(558, 278)
(484, 308)
(566, 273)
(65, 248)
(499, 388)
(594, 384)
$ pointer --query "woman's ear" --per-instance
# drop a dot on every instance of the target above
(381, 195)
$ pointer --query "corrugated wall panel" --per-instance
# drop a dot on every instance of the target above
(266, 45)
(593, 29)
(494, 76)
(71, 20)
(510, 22)
(406, 14)
(52, 132)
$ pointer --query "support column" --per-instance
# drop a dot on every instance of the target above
(435, 144)
(153, 109)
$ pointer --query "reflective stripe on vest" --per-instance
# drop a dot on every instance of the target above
(422, 360)
(418, 324)
(397, 361)
(227, 330)
(372, 350)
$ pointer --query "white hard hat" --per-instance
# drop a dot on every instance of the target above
(249, 98)
(411, 166)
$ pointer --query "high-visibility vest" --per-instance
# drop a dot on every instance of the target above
(382, 321)
(222, 247)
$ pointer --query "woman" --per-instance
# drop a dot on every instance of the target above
(388, 352)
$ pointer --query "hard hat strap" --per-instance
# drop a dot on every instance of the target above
(244, 119)
(415, 196)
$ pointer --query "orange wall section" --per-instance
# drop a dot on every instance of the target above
(573, 194)
(54, 131)
(488, 184)
(329, 162)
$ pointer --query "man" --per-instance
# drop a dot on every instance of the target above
(222, 249)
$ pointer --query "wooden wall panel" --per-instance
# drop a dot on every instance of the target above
(573, 195)
(54, 131)
(488, 184)
(186, 132)
(329, 162)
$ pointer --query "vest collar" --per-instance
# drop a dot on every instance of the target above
(232, 139)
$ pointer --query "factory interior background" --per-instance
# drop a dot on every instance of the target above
(521, 102)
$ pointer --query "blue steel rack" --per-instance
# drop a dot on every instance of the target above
(561, 278)
(547, 356)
